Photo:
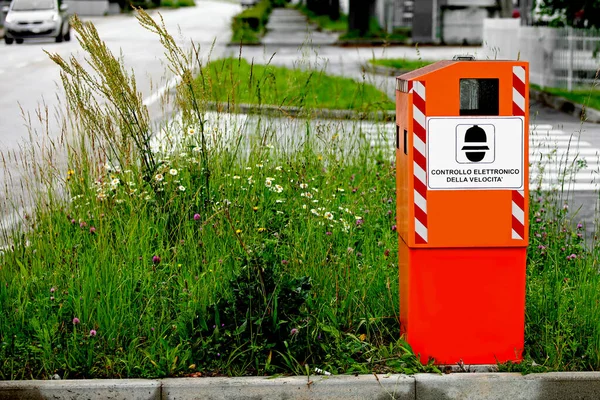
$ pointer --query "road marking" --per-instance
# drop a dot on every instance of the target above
(557, 159)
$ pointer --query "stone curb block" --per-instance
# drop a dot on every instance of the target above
(485, 386)
(361, 387)
(295, 112)
(92, 389)
(489, 386)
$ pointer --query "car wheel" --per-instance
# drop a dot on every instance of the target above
(19, 41)
(8, 40)
(59, 38)
(68, 35)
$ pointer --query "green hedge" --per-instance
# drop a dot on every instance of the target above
(255, 17)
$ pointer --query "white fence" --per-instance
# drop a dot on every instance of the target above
(558, 57)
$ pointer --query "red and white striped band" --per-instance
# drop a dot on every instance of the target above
(417, 88)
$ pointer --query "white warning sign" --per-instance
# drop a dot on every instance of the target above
(475, 153)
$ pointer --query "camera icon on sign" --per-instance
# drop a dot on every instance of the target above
(475, 144)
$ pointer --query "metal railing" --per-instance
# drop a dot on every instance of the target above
(558, 57)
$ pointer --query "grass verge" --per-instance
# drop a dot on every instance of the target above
(211, 250)
(400, 63)
(249, 26)
(324, 21)
(587, 97)
(241, 82)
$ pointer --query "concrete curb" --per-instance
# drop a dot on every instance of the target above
(566, 106)
(485, 386)
(297, 112)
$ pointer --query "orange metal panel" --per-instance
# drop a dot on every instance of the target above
(464, 304)
(462, 293)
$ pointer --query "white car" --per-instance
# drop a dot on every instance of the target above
(249, 3)
(36, 18)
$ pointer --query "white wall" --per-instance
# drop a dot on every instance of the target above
(464, 25)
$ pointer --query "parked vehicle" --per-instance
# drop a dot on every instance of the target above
(249, 3)
(36, 18)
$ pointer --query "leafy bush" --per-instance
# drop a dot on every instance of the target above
(177, 3)
(249, 25)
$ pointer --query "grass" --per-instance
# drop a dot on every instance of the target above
(177, 3)
(590, 98)
(279, 86)
(249, 26)
(220, 248)
(400, 63)
(324, 21)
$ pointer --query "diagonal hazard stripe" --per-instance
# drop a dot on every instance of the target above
(420, 215)
(519, 199)
(519, 85)
(518, 227)
(421, 188)
(420, 160)
(419, 130)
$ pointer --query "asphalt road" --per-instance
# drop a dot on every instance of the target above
(31, 98)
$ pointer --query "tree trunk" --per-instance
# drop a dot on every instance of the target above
(506, 8)
(334, 9)
(359, 16)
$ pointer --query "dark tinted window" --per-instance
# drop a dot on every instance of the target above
(479, 97)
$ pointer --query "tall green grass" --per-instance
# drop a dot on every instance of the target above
(201, 248)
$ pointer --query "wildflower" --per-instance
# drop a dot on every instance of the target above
(393, 228)
(386, 253)
(294, 332)
(196, 217)
(304, 207)
(115, 182)
(262, 229)
(173, 171)
(340, 190)
(196, 149)
(51, 298)
(259, 165)
(155, 259)
(359, 222)
(93, 332)
(308, 195)
(538, 220)
(315, 212)
(236, 177)
(255, 208)
(328, 215)
(181, 188)
(350, 250)
(268, 182)
(92, 230)
(285, 262)
(571, 257)
(278, 188)
(159, 177)
(542, 247)
(278, 168)
(279, 201)
(579, 226)
(52, 289)
(250, 180)
(238, 231)
(328, 233)
(191, 131)
(303, 186)
(76, 321)
(248, 168)
(565, 207)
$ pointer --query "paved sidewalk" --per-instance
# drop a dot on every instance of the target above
(289, 27)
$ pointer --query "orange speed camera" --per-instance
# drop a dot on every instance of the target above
(462, 209)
